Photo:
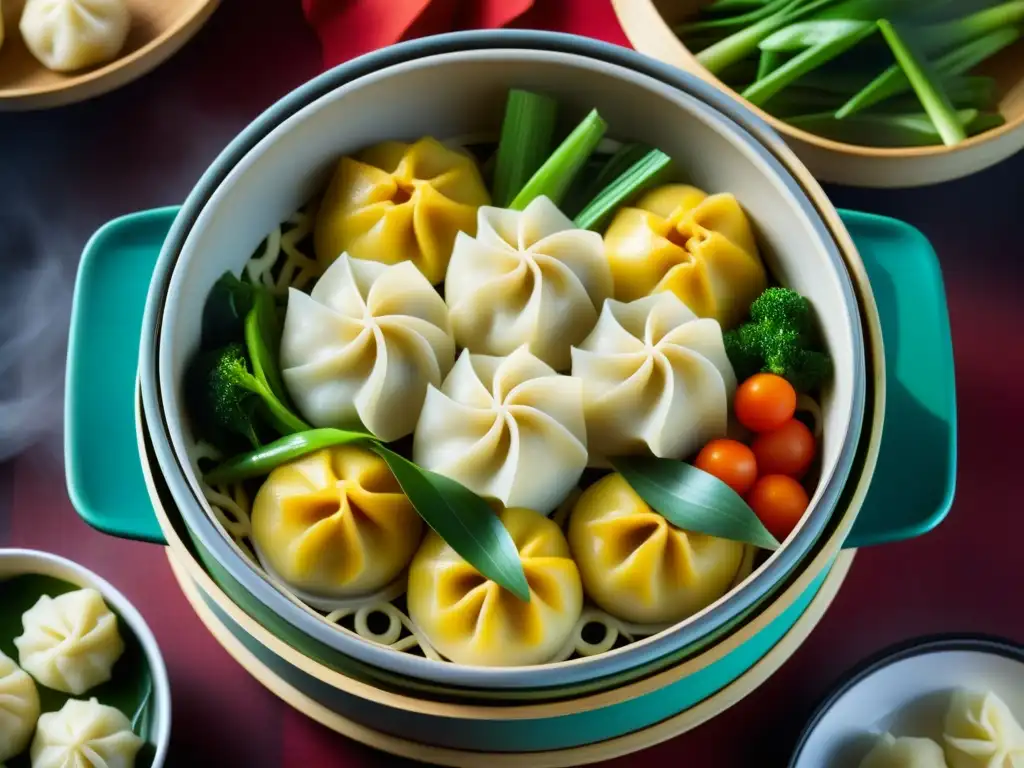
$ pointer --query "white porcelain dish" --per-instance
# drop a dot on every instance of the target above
(906, 691)
(19, 562)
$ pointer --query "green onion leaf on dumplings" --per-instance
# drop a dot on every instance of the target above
(526, 136)
(693, 500)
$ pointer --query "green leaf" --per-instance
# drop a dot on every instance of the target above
(891, 130)
(926, 85)
(128, 690)
(262, 339)
(635, 179)
(460, 517)
(556, 175)
(527, 133)
(464, 520)
(693, 500)
(224, 312)
(807, 34)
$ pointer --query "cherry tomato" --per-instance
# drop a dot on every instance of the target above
(731, 462)
(788, 450)
(764, 402)
(779, 502)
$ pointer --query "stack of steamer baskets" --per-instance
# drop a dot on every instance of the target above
(618, 689)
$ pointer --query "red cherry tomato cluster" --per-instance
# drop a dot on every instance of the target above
(766, 473)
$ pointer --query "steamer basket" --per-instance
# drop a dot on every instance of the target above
(98, 323)
(307, 695)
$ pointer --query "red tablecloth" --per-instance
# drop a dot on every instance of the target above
(72, 169)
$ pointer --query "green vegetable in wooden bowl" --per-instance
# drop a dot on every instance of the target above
(888, 93)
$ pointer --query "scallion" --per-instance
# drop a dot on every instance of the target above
(634, 180)
(555, 176)
(527, 133)
(895, 130)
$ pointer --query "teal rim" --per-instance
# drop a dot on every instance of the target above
(741, 122)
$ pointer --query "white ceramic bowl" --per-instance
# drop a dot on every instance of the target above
(906, 691)
(19, 562)
(462, 94)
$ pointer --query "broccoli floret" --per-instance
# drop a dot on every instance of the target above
(234, 393)
(780, 339)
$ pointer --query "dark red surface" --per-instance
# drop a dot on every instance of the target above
(145, 145)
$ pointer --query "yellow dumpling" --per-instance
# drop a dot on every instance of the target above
(701, 247)
(639, 567)
(471, 620)
(335, 523)
(400, 202)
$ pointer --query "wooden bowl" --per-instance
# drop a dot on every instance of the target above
(648, 25)
(159, 29)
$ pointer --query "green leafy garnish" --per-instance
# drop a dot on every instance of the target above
(227, 305)
(693, 500)
(460, 517)
(527, 133)
(631, 182)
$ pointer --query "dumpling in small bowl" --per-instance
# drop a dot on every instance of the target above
(335, 523)
(400, 202)
(904, 752)
(981, 732)
(471, 620)
(639, 567)
(701, 247)
(85, 734)
(19, 708)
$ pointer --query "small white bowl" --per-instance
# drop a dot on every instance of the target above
(20, 562)
(906, 690)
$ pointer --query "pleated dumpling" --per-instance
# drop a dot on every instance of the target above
(361, 350)
(655, 378)
(400, 202)
(904, 752)
(335, 523)
(981, 732)
(70, 642)
(471, 620)
(701, 247)
(507, 428)
(639, 567)
(85, 734)
(19, 708)
(528, 277)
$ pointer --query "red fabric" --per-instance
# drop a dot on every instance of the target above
(349, 28)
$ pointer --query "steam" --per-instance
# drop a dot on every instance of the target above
(35, 300)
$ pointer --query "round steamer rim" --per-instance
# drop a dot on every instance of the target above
(59, 567)
(765, 142)
(630, 743)
(924, 645)
(182, 560)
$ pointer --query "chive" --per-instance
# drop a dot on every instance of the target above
(949, 34)
(731, 6)
(964, 93)
(798, 100)
(591, 182)
(801, 64)
(768, 63)
(555, 176)
(928, 89)
(732, 22)
(909, 130)
(526, 137)
(893, 81)
(808, 34)
(635, 179)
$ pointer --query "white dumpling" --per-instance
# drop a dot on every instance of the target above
(71, 642)
(507, 428)
(66, 35)
(904, 752)
(655, 377)
(361, 349)
(981, 732)
(528, 277)
(19, 708)
(84, 734)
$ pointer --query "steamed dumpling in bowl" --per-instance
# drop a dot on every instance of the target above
(639, 567)
(471, 620)
(399, 202)
(85, 734)
(904, 752)
(361, 349)
(528, 277)
(335, 523)
(655, 378)
(981, 732)
(68, 35)
(508, 428)
(19, 708)
(700, 247)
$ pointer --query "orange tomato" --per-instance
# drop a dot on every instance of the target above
(731, 462)
(788, 450)
(779, 502)
(764, 402)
